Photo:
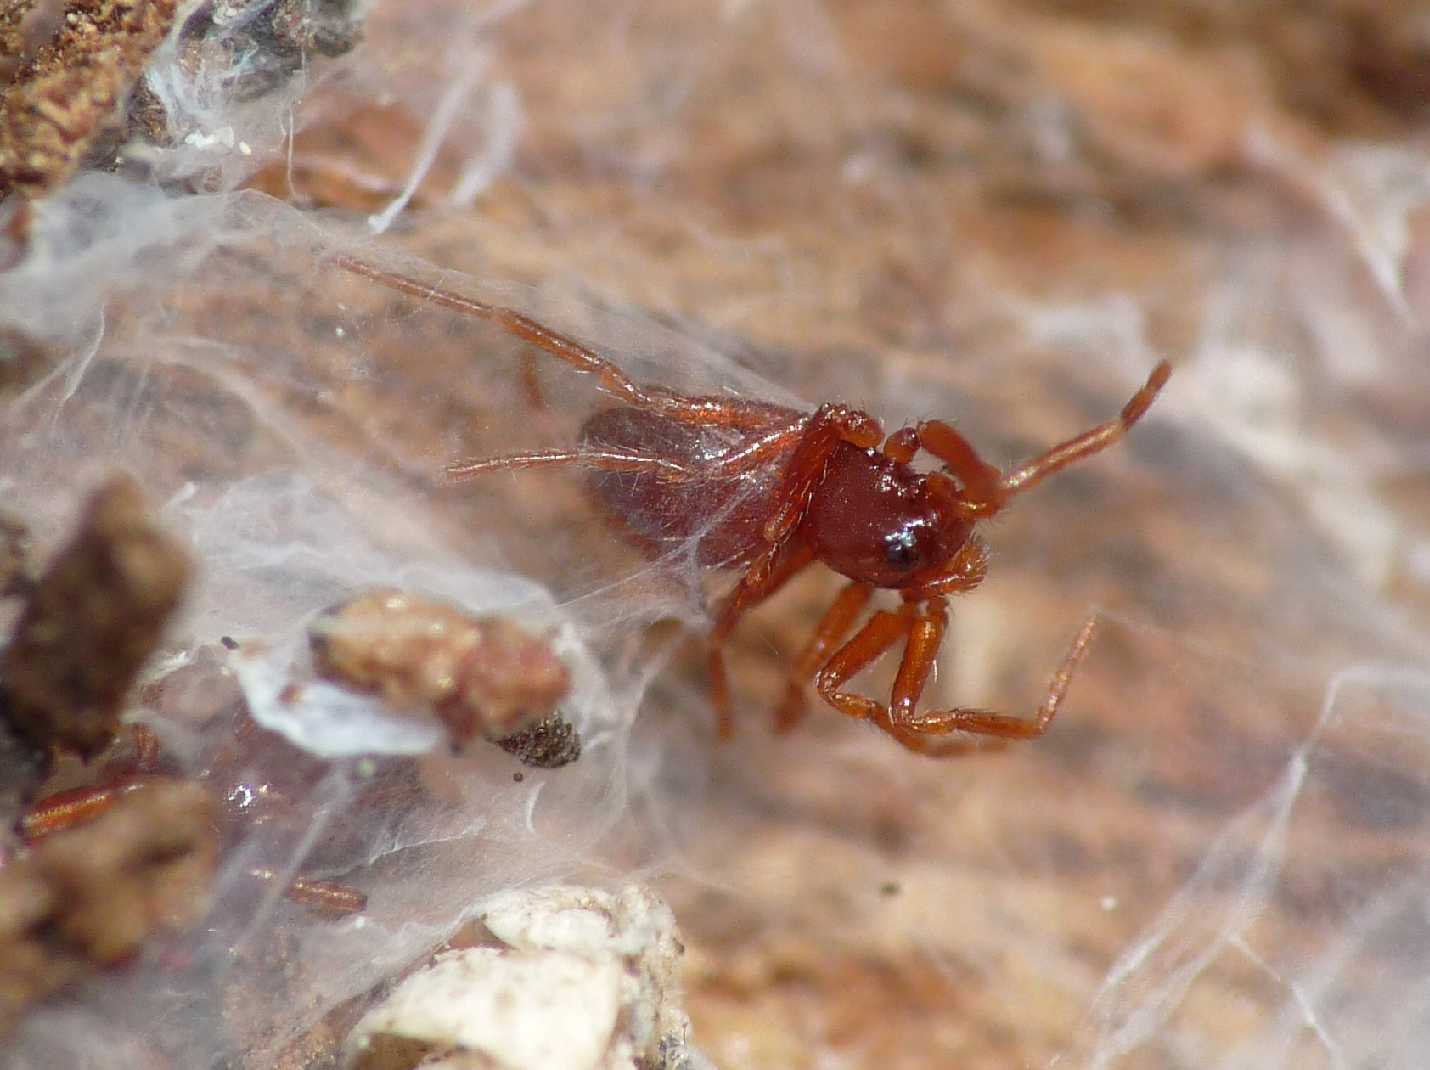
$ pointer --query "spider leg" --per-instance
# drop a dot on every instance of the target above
(776, 567)
(980, 482)
(63, 810)
(1089, 442)
(605, 460)
(879, 633)
(830, 426)
(735, 413)
(333, 898)
(929, 733)
(817, 437)
(833, 626)
(987, 490)
(69, 809)
(751, 454)
(66, 810)
(925, 635)
(920, 655)
(810, 441)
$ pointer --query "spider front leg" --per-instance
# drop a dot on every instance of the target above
(737, 413)
(830, 426)
(986, 490)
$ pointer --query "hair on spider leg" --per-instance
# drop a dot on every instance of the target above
(798, 488)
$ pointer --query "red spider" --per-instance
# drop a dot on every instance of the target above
(772, 490)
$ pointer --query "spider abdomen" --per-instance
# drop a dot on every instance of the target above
(724, 515)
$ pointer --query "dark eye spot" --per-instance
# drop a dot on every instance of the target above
(900, 549)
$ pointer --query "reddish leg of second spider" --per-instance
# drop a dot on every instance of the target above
(68, 809)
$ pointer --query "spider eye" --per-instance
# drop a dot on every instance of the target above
(901, 549)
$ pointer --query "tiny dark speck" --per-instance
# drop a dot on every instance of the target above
(518, 777)
(229, 642)
(890, 888)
